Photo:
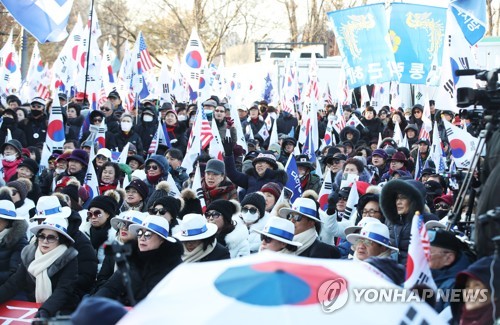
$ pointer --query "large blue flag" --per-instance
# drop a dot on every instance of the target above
(46, 20)
(293, 188)
(471, 17)
(417, 35)
(362, 35)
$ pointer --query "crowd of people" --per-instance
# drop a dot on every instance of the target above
(55, 233)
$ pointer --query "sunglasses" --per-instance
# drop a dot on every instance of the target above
(153, 167)
(437, 206)
(123, 225)
(296, 217)
(213, 215)
(101, 157)
(144, 233)
(50, 238)
(95, 214)
(158, 211)
(251, 210)
(333, 162)
(343, 198)
(97, 120)
(265, 239)
(370, 212)
(107, 109)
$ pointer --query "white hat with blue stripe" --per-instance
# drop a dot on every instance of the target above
(49, 206)
(303, 206)
(156, 224)
(280, 229)
(376, 232)
(56, 223)
(8, 210)
(131, 216)
(195, 227)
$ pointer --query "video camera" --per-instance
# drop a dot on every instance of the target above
(487, 97)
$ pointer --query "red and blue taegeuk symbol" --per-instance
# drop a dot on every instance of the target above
(458, 148)
(202, 82)
(39, 66)
(194, 59)
(274, 283)
(9, 63)
(55, 130)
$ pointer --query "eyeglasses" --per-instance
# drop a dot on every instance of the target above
(123, 225)
(213, 215)
(97, 120)
(146, 233)
(95, 214)
(251, 210)
(158, 211)
(296, 217)
(371, 211)
(266, 239)
(153, 167)
(365, 242)
(442, 206)
(50, 238)
(107, 109)
(101, 157)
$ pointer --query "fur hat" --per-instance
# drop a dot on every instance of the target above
(21, 186)
(310, 194)
(408, 188)
(162, 189)
(257, 200)
(140, 187)
(107, 203)
(30, 164)
(71, 189)
(191, 203)
(274, 188)
(171, 204)
(226, 208)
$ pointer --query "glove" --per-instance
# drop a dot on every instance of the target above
(332, 206)
(229, 122)
(228, 146)
(42, 313)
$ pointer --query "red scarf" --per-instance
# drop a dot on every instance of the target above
(153, 179)
(10, 168)
(104, 187)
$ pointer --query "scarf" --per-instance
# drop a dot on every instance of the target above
(10, 168)
(307, 238)
(98, 235)
(198, 253)
(3, 233)
(153, 179)
(38, 268)
(480, 316)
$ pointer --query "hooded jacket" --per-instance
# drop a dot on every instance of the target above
(400, 225)
(11, 245)
(354, 131)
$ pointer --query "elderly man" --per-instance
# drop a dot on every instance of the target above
(112, 122)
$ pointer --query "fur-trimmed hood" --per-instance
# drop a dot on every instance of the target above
(238, 238)
(352, 130)
(14, 234)
(28, 255)
(410, 188)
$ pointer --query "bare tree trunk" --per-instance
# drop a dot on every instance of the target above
(489, 13)
(291, 8)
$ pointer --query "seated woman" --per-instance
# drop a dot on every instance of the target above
(255, 217)
(199, 240)
(153, 258)
(109, 177)
(48, 271)
(372, 240)
(277, 236)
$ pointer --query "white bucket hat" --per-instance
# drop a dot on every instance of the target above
(376, 232)
(363, 222)
(56, 223)
(156, 224)
(195, 227)
(132, 216)
(8, 210)
(49, 206)
(302, 206)
(280, 229)
(104, 152)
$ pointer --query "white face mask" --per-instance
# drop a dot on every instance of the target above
(182, 118)
(126, 126)
(60, 170)
(147, 118)
(10, 158)
(250, 217)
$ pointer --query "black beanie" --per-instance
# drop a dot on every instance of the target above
(257, 200)
(170, 203)
(71, 190)
(106, 203)
(20, 187)
(226, 208)
(140, 187)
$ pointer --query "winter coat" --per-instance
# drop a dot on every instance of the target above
(352, 130)
(400, 225)
(73, 127)
(237, 240)
(9, 169)
(46, 178)
(445, 277)
(178, 136)
(180, 176)
(11, 245)
(113, 124)
(85, 229)
(219, 253)
(286, 123)
(62, 273)
(251, 181)
(35, 130)
(225, 191)
(87, 260)
(222, 127)
(133, 137)
(80, 176)
(321, 250)
(374, 127)
(254, 237)
(313, 183)
(147, 131)
(389, 128)
(146, 270)
(15, 131)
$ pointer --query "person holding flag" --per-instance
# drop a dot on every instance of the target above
(176, 130)
(372, 124)
(308, 180)
(10, 123)
(128, 134)
(148, 124)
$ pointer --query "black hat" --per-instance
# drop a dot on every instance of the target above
(137, 158)
(413, 127)
(303, 160)
(114, 94)
(344, 191)
(226, 208)
(62, 96)
(424, 140)
(288, 140)
(171, 204)
(257, 200)
(268, 157)
(428, 171)
(140, 186)
(433, 188)
(107, 310)
(15, 143)
(216, 166)
(166, 106)
(30, 164)
(329, 154)
(417, 107)
(251, 155)
(106, 203)
(445, 239)
(21, 187)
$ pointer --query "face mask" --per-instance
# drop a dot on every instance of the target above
(182, 118)
(331, 117)
(147, 118)
(126, 126)
(250, 217)
(209, 114)
(60, 170)
(441, 213)
(8, 120)
(36, 113)
(10, 158)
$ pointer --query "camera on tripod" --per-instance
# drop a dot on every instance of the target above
(488, 97)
